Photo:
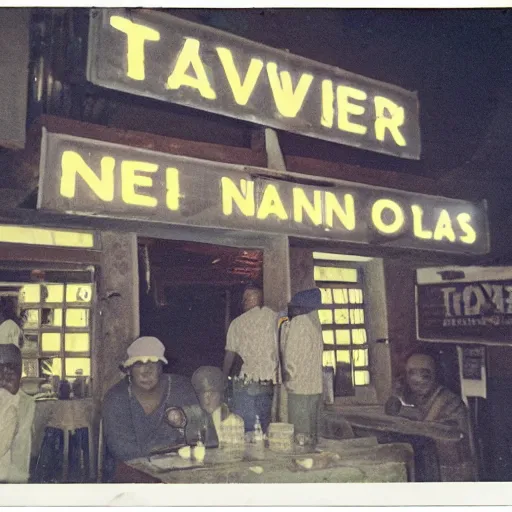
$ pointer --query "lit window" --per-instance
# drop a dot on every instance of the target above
(57, 329)
(342, 315)
(45, 236)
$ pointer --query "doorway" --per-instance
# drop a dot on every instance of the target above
(189, 293)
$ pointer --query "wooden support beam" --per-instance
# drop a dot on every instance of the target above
(35, 253)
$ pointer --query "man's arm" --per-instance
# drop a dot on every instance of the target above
(229, 357)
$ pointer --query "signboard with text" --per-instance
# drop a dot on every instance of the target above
(159, 56)
(91, 177)
(472, 307)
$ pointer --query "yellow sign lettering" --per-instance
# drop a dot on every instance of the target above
(301, 203)
(189, 56)
(172, 185)
(243, 197)
(417, 220)
(387, 204)
(130, 180)
(136, 35)
(444, 227)
(241, 90)
(392, 123)
(73, 165)
(287, 101)
(327, 104)
(271, 204)
(345, 108)
(464, 220)
(346, 215)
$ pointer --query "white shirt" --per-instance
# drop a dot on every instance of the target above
(253, 337)
(9, 412)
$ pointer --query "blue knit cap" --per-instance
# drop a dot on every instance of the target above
(307, 299)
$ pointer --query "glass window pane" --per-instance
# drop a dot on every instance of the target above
(29, 368)
(77, 342)
(30, 293)
(358, 336)
(30, 345)
(356, 316)
(360, 357)
(326, 295)
(55, 293)
(340, 296)
(361, 378)
(45, 236)
(328, 337)
(328, 358)
(50, 342)
(51, 317)
(77, 317)
(78, 293)
(343, 275)
(78, 363)
(343, 356)
(325, 316)
(343, 337)
(30, 318)
(51, 366)
(341, 316)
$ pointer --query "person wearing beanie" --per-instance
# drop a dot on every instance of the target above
(143, 413)
(301, 348)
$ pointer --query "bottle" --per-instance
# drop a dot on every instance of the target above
(258, 431)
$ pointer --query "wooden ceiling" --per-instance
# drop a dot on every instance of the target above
(179, 263)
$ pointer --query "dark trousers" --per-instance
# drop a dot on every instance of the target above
(251, 400)
(304, 413)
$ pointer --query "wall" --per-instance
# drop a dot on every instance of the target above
(118, 307)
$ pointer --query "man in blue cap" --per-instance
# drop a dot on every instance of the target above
(301, 346)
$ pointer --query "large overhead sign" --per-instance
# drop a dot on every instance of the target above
(163, 57)
(83, 176)
(464, 305)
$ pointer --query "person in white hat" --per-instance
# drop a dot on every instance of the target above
(143, 413)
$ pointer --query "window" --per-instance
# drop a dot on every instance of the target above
(343, 317)
(45, 236)
(57, 329)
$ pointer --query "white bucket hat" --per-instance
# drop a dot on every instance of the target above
(146, 349)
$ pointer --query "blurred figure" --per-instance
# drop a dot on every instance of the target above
(143, 412)
(253, 337)
(17, 417)
(302, 346)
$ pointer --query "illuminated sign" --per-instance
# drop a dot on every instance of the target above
(159, 56)
(474, 308)
(84, 176)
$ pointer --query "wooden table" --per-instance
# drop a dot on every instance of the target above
(339, 461)
(373, 418)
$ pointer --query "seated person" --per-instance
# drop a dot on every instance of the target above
(143, 412)
(423, 398)
(204, 421)
(17, 413)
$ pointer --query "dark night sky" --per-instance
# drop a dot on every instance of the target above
(459, 61)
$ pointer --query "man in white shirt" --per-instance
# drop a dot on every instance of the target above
(17, 417)
(253, 337)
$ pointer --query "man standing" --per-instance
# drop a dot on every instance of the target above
(17, 413)
(302, 353)
(253, 337)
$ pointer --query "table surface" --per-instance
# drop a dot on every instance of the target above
(374, 418)
(333, 461)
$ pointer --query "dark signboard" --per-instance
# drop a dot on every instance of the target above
(83, 176)
(163, 57)
(464, 312)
